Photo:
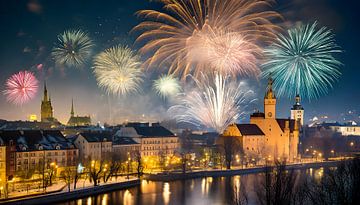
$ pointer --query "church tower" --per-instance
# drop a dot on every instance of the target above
(270, 101)
(297, 111)
(46, 107)
(72, 108)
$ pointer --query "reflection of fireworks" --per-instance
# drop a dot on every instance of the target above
(117, 70)
(176, 37)
(167, 86)
(21, 87)
(302, 62)
(215, 103)
(73, 48)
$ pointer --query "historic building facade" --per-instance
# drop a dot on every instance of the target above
(266, 135)
(78, 120)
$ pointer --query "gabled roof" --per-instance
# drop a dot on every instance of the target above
(282, 122)
(124, 141)
(97, 136)
(249, 129)
(32, 139)
(157, 131)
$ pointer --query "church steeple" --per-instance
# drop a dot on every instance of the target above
(270, 101)
(269, 91)
(72, 108)
(45, 93)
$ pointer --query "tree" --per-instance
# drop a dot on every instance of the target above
(139, 163)
(67, 176)
(339, 186)
(230, 146)
(277, 186)
(96, 168)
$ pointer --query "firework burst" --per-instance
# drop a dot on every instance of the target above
(73, 48)
(21, 87)
(117, 70)
(215, 102)
(302, 62)
(178, 37)
(167, 86)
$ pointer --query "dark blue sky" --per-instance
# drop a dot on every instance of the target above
(29, 29)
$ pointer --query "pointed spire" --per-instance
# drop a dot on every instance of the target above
(297, 99)
(45, 92)
(72, 107)
(269, 91)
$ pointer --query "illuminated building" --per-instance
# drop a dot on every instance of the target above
(78, 120)
(297, 111)
(154, 140)
(94, 145)
(266, 135)
(47, 109)
(39, 147)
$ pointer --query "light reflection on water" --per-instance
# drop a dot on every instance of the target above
(207, 190)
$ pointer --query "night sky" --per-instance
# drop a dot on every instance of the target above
(30, 28)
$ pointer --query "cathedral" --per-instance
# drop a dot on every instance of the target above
(267, 136)
(78, 120)
(47, 109)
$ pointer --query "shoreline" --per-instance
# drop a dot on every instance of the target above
(73, 195)
(222, 173)
(60, 196)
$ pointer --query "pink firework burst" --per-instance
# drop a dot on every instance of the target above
(21, 87)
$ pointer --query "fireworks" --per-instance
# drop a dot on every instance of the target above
(302, 62)
(215, 103)
(73, 48)
(180, 36)
(21, 87)
(117, 70)
(167, 86)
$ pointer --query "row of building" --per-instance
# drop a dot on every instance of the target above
(31, 150)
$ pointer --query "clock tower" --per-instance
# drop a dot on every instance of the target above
(270, 101)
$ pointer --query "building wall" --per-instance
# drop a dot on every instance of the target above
(30, 160)
(276, 141)
(155, 146)
(298, 115)
(123, 150)
(92, 150)
(347, 130)
(2, 166)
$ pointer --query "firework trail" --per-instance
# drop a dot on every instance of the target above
(177, 37)
(21, 87)
(73, 48)
(117, 70)
(167, 86)
(215, 102)
(302, 62)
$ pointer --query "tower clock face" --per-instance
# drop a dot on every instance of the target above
(269, 114)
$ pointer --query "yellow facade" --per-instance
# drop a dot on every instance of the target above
(2, 167)
(280, 137)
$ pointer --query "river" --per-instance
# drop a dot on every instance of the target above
(200, 191)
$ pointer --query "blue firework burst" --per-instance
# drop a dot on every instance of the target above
(302, 62)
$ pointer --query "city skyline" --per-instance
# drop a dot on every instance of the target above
(32, 40)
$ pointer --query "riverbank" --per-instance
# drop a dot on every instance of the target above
(57, 197)
(172, 176)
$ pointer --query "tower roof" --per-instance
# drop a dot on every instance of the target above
(297, 105)
(269, 91)
(72, 107)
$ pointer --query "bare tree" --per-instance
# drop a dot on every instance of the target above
(67, 176)
(230, 146)
(339, 186)
(277, 186)
(95, 170)
(139, 163)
